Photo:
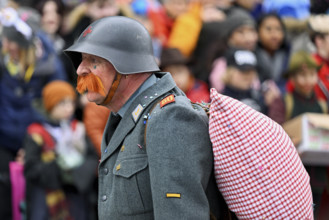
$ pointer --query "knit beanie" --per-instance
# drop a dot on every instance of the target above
(56, 91)
(236, 19)
(299, 59)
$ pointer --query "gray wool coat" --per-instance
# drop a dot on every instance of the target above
(157, 166)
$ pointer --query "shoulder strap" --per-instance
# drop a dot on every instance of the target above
(37, 128)
(204, 106)
(288, 99)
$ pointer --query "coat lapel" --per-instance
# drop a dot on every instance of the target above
(124, 127)
(128, 122)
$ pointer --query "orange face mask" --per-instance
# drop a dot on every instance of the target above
(91, 83)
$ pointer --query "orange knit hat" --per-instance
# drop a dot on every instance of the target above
(55, 91)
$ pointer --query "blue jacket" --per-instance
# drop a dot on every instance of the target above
(17, 95)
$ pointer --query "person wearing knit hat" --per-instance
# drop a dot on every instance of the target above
(302, 72)
(299, 61)
(240, 30)
(56, 93)
(58, 154)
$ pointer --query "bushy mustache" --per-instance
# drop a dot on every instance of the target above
(90, 82)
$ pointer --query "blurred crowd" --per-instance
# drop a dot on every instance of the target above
(272, 55)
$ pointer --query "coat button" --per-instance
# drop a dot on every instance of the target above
(106, 171)
(104, 198)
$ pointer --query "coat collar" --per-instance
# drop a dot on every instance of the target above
(127, 123)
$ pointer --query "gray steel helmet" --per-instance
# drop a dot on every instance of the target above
(122, 41)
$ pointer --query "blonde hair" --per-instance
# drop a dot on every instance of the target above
(27, 57)
(26, 61)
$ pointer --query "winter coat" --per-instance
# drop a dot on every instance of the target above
(158, 163)
(17, 95)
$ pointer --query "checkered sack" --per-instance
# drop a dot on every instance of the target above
(257, 167)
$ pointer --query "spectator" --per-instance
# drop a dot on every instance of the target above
(302, 72)
(163, 16)
(240, 32)
(52, 13)
(186, 28)
(273, 49)
(240, 76)
(294, 15)
(319, 34)
(27, 63)
(174, 62)
(60, 165)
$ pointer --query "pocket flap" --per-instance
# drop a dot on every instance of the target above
(130, 166)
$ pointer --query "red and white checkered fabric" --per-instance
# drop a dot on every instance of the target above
(257, 167)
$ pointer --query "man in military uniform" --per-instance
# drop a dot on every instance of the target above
(156, 160)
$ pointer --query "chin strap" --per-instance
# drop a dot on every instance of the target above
(114, 87)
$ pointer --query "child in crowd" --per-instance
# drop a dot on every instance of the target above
(239, 31)
(174, 62)
(273, 49)
(302, 73)
(319, 35)
(60, 164)
(240, 78)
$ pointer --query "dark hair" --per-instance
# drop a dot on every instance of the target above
(314, 34)
(60, 6)
(272, 14)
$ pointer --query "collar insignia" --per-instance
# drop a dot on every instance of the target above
(136, 113)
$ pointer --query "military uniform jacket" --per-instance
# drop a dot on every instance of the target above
(160, 173)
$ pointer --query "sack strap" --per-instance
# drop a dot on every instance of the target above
(289, 102)
(150, 112)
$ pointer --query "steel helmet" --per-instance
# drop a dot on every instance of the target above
(122, 41)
